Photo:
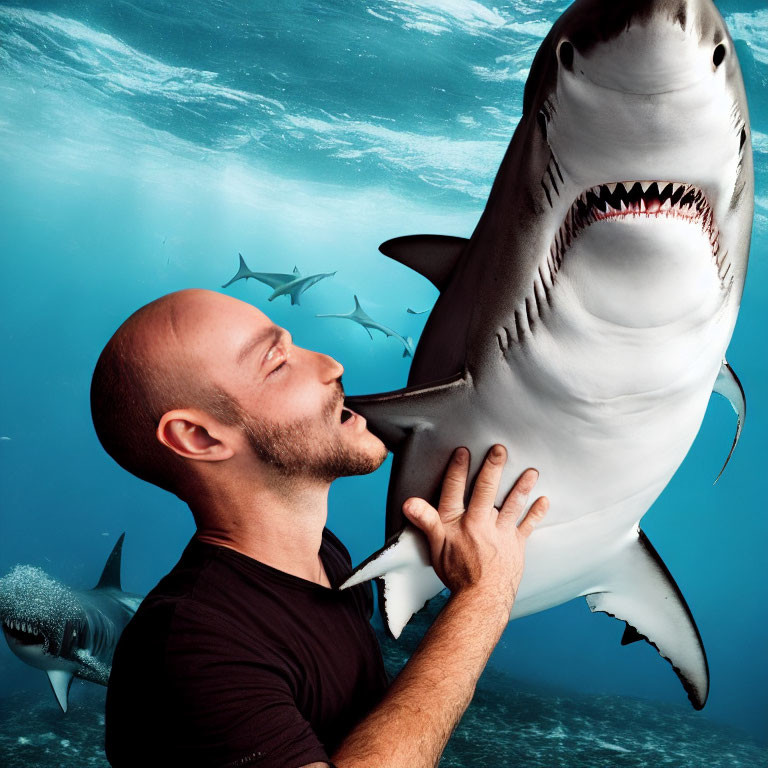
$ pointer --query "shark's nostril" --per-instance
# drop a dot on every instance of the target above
(718, 55)
(566, 55)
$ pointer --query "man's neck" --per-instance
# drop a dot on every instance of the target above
(278, 525)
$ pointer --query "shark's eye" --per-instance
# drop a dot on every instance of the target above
(566, 55)
(718, 55)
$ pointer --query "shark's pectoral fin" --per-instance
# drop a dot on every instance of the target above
(640, 591)
(408, 578)
(728, 385)
(61, 681)
(392, 416)
(433, 256)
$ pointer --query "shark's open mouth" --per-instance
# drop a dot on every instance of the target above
(23, 632)
(638, 199)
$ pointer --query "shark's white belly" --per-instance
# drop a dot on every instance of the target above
(605, 446)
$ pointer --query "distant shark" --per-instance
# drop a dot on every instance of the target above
(361, 317)
(67, 633)
(585, 322)
(283, 284)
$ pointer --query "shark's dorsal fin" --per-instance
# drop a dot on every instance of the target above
(728, 385)
(391, 416)
(433, 256)
(110, 576)
(296, 271)
(60, 680)
(637, 588)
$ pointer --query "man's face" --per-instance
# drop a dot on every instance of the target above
(290, 398)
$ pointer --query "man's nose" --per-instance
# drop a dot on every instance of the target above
(331, 368)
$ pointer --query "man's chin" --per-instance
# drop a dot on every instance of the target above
(367, 459)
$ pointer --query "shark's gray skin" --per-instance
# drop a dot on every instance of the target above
(585, 322)
(283, 284)
(361, 317)
(65, 632)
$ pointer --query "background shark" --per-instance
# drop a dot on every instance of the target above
(585, 323)
(362, 318)
(67, 633)
(283, 284)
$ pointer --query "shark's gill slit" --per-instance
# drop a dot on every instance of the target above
(546, 192)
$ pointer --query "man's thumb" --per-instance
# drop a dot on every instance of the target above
(424, 516)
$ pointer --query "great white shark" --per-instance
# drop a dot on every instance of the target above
(585, 323)
(67, 633)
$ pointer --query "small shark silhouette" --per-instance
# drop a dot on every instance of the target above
(361, 317)
(292, 284)
(414, 312)
(65, 632)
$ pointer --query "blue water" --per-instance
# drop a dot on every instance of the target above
(144, 144)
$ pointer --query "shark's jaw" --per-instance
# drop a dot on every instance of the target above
(22, 632)
(676, 266)
(28, 641)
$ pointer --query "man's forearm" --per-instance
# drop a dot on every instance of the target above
(411, 725)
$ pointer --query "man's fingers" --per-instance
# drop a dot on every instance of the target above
(487, 482)
(454, 484)
(534, 516)
(517, 498)
(427, 519)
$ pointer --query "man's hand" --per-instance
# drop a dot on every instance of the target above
(480, 547)
(478, 553)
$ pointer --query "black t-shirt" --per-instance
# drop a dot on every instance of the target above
(229, 662)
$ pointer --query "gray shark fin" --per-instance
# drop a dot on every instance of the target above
(60, 680)
(242, 272)
(392, 416)
(639, 590)
(433, 256)
(728, 385)
(110, 576)
(408, 579)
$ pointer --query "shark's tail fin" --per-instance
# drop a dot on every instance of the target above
(409, 581)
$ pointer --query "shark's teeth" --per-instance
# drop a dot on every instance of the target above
(647, 198)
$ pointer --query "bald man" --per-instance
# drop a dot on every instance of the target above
(246, 653)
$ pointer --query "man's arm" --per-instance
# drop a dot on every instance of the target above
(478, 554)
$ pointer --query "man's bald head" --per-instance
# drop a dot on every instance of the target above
(150, 366)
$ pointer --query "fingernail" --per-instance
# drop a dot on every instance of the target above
(461, 454)
(497, 451)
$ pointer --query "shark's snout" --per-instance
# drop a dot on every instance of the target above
(644, 48)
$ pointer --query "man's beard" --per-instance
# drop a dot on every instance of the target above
(308, 447)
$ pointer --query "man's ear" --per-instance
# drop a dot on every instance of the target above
(194, 434)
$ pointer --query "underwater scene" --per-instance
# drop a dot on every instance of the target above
(148, 146)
